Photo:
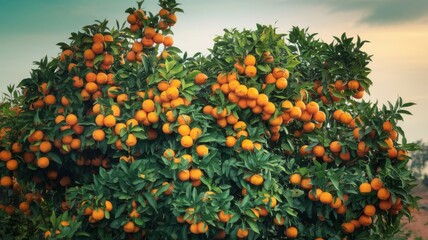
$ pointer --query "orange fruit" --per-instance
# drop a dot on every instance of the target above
(281, 83)
(196, 174)
(131, 140)
(383, 194)
(353, 84)
(200, 79)
(316, 196)
(250, 71)
(376, 184)
(385, 204)
(129, 227)
(295, 179)
(202, 227)
(336, 203)
(365, 220)
(369, 210)
(195, 133)
(318, 151)
(295, 112)
(148, 105)
(97, 214)
(312, 107)
(242, 233)
(326, 198)
(291, 232)
(256, 179)
(348, 227)
(202, 150)
(365, 188)
(250, 60)
(335, 147)
(71, 119)
(153, 117)
(184, 119)
(247, 145)
(109, 121)
(186, 141)
(184, 130)
(98, 135)
(43, 162)
(306, 184)
(12, 165)
(387, 126)
(5, 155)
(184, 175)
(6, 181)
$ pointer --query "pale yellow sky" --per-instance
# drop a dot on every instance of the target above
(397, 32)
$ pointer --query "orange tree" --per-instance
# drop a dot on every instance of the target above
(123, 136)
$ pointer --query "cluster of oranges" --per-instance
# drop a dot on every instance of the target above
(150, 37)
(251, 132)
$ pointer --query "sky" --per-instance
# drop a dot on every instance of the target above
(397, 31)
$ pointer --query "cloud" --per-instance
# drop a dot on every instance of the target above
(397, 11)
(379, 12)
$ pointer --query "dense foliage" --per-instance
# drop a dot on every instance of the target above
(124, 136)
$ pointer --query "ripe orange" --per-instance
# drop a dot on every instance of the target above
(383, 194)
(201, 79)
(129, 227)
(148, 105)
(348, 227)
(184, 119)
(6, 181)
(109, 121)
(153, 117)
(281, 83)
(312, 107)
(71, 119)
(256, 179)
(5, 155)
(306, 184)
(43, 162)
(223, 217)
(316, 196)
(335, 147)
(387, 126)
(24, 206)
(247, 145)
(250, 60)
(186, 141)
(365, 188)
(98, 47)
(250, 71)
(326, 198)
(295, 112)
(369, 210)
(291, 232)
(98, 135)
(195, 133)
(336, 203)
(196, 174)
(184, 130)
(184, 175)
(97, 214)
(376, 184)
(295, 179)
(318, 151)
(131, 140)
(365, 220)
(202, 150)
(353, 84)
(12, 165)
(242, 233)
(202, 227)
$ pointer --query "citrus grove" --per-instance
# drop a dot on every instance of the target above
(123, 136)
